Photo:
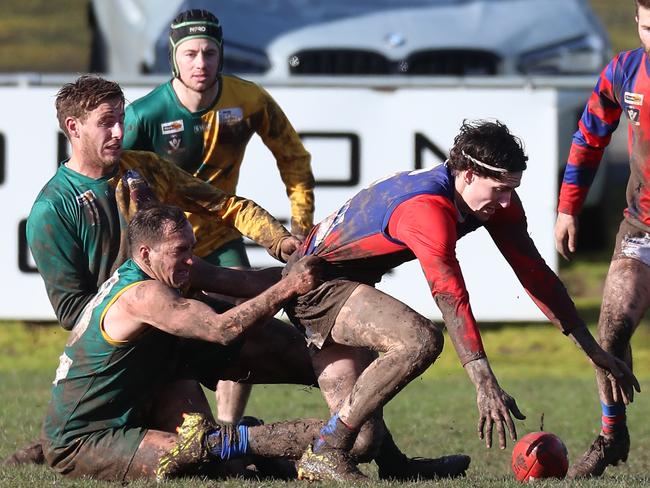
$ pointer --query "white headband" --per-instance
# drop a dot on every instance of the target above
(481, 163)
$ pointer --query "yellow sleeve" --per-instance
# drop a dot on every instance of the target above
(294, 163)
(174, 186)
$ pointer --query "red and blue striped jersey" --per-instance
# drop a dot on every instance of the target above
(412, 215)
(621, 88)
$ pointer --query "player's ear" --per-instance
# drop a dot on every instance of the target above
(468, 176)
(72, 124)
(143, 253)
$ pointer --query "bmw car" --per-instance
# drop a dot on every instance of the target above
(287, 38)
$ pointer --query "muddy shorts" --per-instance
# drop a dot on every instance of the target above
(315, 312)
(632, 242)
(103, 455)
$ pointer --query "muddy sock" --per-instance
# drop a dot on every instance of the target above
(613, 418)
(283, 439)
(228, 442)
(389, 454)
(335, 434)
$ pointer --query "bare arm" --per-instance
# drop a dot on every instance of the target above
(151, 303)
(232, 282)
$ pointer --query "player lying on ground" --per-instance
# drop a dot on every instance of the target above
(139, 333)
(420, 215)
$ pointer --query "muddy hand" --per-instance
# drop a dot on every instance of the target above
(288, 246)
(306, 274)
(139, 191)
(620, 376)
(495, 407)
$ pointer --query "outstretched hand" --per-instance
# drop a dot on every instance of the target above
(620, 376)
(495, 407)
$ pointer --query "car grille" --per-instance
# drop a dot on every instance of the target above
(455, 62)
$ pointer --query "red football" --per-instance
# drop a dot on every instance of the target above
(539, 455)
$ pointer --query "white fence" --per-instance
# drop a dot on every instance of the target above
(357, 131)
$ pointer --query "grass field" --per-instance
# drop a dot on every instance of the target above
(435, 415)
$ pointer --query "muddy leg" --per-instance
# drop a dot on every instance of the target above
(409, 342)
(625, 299)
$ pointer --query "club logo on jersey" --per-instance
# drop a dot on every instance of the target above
(174, 141)
(633, 114)
(230, 116)
(172, 127)
(633, 98)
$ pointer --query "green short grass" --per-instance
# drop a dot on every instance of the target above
(435, 415)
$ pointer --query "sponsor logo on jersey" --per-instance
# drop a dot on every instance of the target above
(633, 98)
(229, 116)
(172, 127)
(633, 114)
(202, 127)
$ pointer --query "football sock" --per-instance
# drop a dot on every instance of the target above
(228, 441)
(613, 417)
(335, 434)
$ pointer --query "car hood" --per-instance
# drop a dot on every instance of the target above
(456, 23)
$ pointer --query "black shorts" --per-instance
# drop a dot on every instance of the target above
(315, 312)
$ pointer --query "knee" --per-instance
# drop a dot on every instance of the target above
(368, 441)
(428, 344)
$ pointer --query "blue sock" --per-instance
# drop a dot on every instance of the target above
(220, 445)
(613, 417)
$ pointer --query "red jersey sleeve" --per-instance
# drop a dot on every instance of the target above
(599, 120)
(509, 230)
(427, 225)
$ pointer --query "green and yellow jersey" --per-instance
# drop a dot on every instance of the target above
(210, 145)
(76, 232)
(101, 383)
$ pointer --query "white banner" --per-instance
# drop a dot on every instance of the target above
(356, 135)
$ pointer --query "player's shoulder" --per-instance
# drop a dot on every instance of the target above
(237, 87)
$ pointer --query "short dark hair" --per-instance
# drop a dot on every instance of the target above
(641, 3)
(84, 95)
(490, 143)
(153, 224)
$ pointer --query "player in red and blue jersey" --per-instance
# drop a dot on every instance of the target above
(621, 89)
(420, 215)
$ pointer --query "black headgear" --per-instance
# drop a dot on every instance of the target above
(194, 24)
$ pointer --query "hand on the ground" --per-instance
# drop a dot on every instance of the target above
(495, 407)
(566, 234)
(620, 376)
(306, 274)
(288, 246)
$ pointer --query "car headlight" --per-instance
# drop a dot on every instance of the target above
(581, 55)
